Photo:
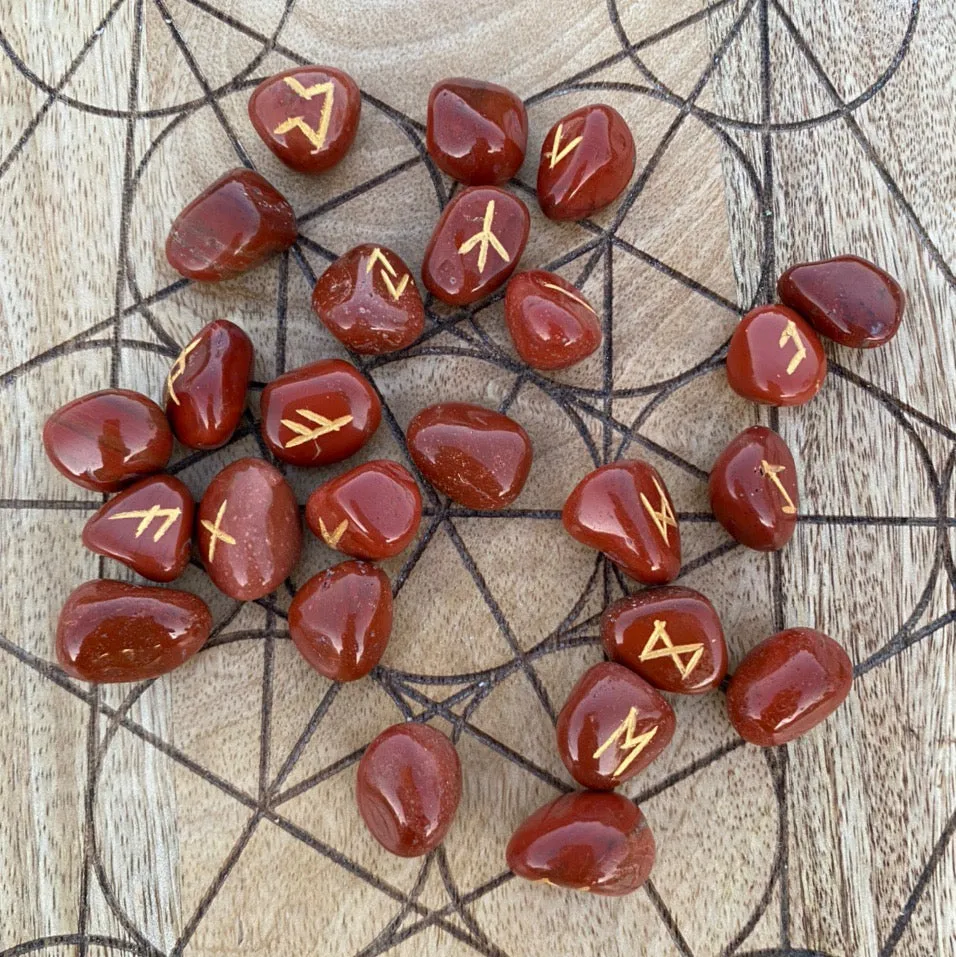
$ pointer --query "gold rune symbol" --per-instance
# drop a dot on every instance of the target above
(396, 291)
(557, 152)
(570, 295)
(772, 472)
(633, 743)
(322, 425)
(790, 332)
(484, 237)
(333, 538)
(179, 367)
(665, 515)
(146, 517)
(315, 136)
(667, 649)
(215, 532)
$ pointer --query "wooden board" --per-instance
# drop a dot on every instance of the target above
(210, 812)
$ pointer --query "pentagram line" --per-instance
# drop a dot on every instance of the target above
(663, 912)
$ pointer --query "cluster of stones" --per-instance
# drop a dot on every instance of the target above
(247, 527)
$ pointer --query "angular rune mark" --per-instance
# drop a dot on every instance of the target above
(315, 136)
(215, 531)
(484, 237)
(323, 426)
(667, 649)
(333, 538)
(146, 516)
(772, 472)
(179, 367)
(632, 744)
(790, 332)
(664, 516)
(570, 295)
(557, 152)
(378, 255)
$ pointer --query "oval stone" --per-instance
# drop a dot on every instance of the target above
(753, 489)
(248, 529)
(775, 358)
(476, 245)
(106, 440)
(206, 386)
(670, 636)
(369, 301)
(624, 510)
(370, 512)
(112, 631)
(786, 685)
(340, 620)
(408, 788)
(476, 456)
(230, 227)
(587, 841)
(148, 527)
(319, 414)
(846, 299)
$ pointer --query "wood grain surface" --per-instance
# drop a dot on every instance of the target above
(210, 812)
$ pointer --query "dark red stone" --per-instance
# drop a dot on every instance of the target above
(148, 527)
(370, 512)
(408, 788)
(340, 620)
(753, 489)
(308, 116)
(232, 226)
(786, 685)
(106, 440)
(476, 456)
(587, 841)
(587, 158)
(112, 631)
(670, 636)
(248, 529)
(476, 132)
(319, 414)
(846, 299)
(369, 301)
(775, 358)
(624, 510)
(476, 245)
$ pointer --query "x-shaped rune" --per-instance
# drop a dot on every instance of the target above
(216, 534)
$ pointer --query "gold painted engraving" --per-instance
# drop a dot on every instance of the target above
(146, 516)
(333, 538)
(660, 645)
(216, 534)
(772, 472)
(544, 880)
(570, 295)
(179, 367)
(378, 255)
(557, 151)
(322, 425)
(663, 516)
(790, 333)
(484, 238)
(633, 744)
(315, 136)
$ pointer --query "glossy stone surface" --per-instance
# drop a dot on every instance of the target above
(846, 299)
(552, 325)
(587, 841)
(340, 620)
(308, 116)
(786, 685)
(775, 358)
(112, 631)
(106, 440)
(670, 636)
(370, 512)
(369, 301)
(624, 510)
(476, 245)
(320, 413)
(148, 527)
(408, 788)
(476, 456)
(587, 159)
(613, 725)
(248, 529)
(230, 227)
(476, 131)
(753, 489)
(206, 386)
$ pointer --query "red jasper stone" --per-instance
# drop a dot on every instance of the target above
(112, 631)
(340, 620)
(624, 510)
(846, 299)
(670, 636)
(408, 788)
(786, 685)
(369, 301)
(613, 725)
(775, 358)
(148, 527)
(370, 512)
(551, 324)
(206, 386)
(319, 414)
(753, 490)
(248, 529)
(587, 841)
(475, 456)
(106, 440)
(587, 158)
(476, 245)
(232, 226)
(476, 132)
(308, 116)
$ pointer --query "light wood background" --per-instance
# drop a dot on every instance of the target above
(210, 812)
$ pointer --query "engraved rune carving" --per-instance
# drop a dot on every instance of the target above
(304, 433)
(315, 136)
(791, 333)
(378, 255)
(216, 534)
(772, 472)
(485, 237)
(179, 367)
(633, 744)
(557, 151)
(146, 516)
(333, 538)
(660, 645)
(570, 295)
(664, 515)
